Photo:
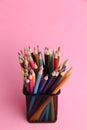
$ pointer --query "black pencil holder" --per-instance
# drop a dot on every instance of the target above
(41, 108)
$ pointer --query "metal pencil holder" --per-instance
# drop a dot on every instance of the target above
(41, 108)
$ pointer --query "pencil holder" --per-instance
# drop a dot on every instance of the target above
(41, 108)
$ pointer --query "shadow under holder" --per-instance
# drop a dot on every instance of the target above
(41, 108)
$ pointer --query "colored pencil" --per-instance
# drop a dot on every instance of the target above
(45, 114)
(58, 55)
(43, 85)
(38, 81)
(50, 82)
(52, 109)
(36, 57)
(31, 53)
(40, 60)
(55, 61)
(55, 106)
(36, 70)
(33, 77)
(51, 64)
(46, 56)
(31, 86)
(31, 62)
(47, 110)
(63, 66)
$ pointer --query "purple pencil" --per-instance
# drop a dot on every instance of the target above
(43, 85)
(50, 82)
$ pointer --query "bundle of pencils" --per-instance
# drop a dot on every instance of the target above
(43, 76)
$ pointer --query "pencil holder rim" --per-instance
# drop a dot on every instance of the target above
(25, 92)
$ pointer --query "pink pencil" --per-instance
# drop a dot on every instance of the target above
(31, 87)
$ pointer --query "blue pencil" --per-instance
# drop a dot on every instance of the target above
(35, 89)
(31, 104)
(42, 115)
(39, 76)
(45, 114)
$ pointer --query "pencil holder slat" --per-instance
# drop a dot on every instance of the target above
(41, 108)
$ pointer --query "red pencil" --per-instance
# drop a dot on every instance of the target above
(31, 62)
(58, 55)
(55, 61)
(33, 77)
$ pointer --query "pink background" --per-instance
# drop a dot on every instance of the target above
(49, 23)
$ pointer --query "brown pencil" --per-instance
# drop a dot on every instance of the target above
(36, 57)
